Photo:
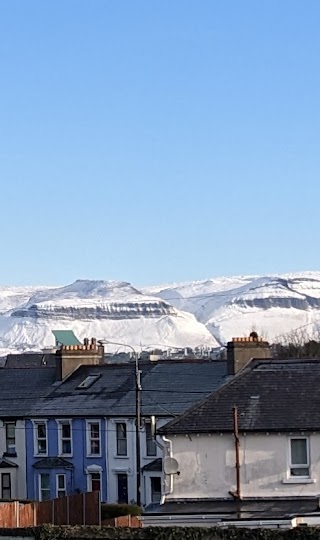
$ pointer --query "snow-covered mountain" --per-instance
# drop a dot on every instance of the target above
(104, 309)
(198, 313)
(276, 306)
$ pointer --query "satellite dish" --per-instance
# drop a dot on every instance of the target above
(170, 465)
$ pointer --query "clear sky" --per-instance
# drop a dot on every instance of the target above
(158, 140)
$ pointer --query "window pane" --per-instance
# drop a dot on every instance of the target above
(121, 439)
(41, 430)
(11, 428)
(66, 447)
(299, 471)
(45, 494)
(61, 481)
(121, 431)
(122, 447)
(155, 489)
(5, 478)
(42, 447)
(95, 447)
(95, 482)
(66, 431)
(299, 454)
(150, 442)
(45, 481)
(94, 431)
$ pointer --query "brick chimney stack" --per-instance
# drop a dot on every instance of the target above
(70, 357)
(241, 350)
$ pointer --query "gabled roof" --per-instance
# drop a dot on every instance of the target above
(53, 463)
(168, 388)
(7, 463)
(270, 395)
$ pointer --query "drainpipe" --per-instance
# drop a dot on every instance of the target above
(169, 443)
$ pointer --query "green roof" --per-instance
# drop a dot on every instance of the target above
(65, 337)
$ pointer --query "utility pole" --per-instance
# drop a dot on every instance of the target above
(138, 428)
(237, 448)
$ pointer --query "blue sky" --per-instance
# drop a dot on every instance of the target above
(158, 141)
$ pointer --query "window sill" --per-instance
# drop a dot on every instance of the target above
(93, 456)
(121, 457)
(297, 480)
(10, 454)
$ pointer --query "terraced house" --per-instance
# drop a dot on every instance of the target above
(75, 420)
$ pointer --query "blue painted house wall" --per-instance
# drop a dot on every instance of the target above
(81, 466)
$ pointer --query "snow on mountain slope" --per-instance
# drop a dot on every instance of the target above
(13, 297)
(105, 309)
(198, 313)
(272, 305)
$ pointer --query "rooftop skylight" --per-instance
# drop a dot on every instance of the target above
(89, 381)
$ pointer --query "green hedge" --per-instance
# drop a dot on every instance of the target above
(49, 532)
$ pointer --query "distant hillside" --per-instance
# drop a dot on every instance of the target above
(199, 313)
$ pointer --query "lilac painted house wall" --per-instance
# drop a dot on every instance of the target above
(65, 456)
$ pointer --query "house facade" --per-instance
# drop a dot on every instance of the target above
(271, 465)
(255, 438)
(95, 405)
(65, 456)
(68, 423)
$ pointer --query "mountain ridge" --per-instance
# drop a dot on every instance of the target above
(196, 313)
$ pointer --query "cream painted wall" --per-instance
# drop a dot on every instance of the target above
(207, 466)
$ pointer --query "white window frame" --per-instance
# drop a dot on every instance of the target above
(10, 485)
(57, 485)
(40, 487)
(126, 439)
(151, 478)
(60, 442)
(302, 465)
(35, 437)
(93, 469)
(88, 438)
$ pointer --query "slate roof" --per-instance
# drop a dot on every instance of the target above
(276, 508)
(7, 463)
(21, 388)
(53, 463)
(155, 465)
(271, 396)
(168, 388)
(30, 360)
